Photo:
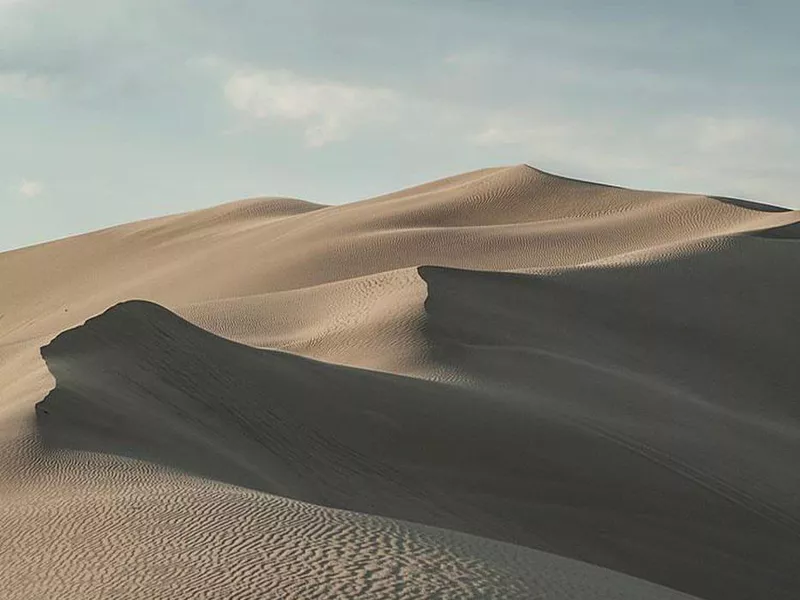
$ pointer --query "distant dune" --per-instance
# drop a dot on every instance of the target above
(504, 384)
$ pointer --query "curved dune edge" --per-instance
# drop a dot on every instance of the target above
(533, 420)
(504, 219)
(333, 553)
(623, 400)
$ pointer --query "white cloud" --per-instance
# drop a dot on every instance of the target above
(696, 153)
(327, 110)
(30, 189)
(511, 133)
(24, 86)
(718, 133)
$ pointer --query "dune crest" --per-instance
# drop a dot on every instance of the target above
(577, 374)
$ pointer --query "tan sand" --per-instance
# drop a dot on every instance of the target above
(626, 399)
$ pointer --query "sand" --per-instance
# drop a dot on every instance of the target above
(505, 384)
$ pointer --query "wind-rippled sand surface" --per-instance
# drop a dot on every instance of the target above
(505, 384)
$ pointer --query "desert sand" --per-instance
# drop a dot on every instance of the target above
(504, 384)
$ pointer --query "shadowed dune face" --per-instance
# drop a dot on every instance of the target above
(751, 205)
(786, 232)
(628, 402)
(608, 414)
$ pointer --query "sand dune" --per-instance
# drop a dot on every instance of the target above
(554, 366)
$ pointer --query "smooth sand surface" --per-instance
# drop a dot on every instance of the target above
(505, 384)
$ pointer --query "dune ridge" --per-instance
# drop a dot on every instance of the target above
(559, 367)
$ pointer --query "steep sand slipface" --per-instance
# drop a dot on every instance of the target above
(631, 405)
(564, 442)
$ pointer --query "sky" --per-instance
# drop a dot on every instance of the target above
(117, 110)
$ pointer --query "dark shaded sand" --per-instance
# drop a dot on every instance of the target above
(588, 371)
(603, 415)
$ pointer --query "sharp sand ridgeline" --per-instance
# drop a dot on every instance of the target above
(504, 384)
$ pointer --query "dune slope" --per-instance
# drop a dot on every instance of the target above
(557, 367)
(135, 532)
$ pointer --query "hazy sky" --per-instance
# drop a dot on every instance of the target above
(114, 110)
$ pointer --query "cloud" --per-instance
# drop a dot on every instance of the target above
(711, 133)
(30, 189)
(512, 134)
(673, 145)
(23, 86)
(327, 110)
(737, 155)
